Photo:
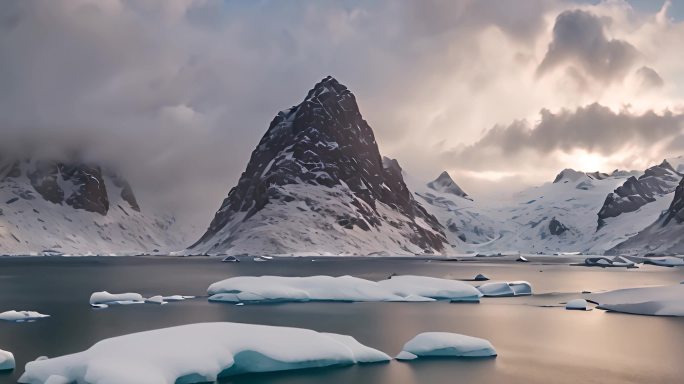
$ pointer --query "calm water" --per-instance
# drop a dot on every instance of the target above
(535, 344)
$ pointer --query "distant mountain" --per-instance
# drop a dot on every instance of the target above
(445, 184)
(316, 184)
(73, 207)
(634, 193)
(664, 236)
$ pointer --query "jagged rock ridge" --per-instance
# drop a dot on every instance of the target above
(316, 183)
(656, 181)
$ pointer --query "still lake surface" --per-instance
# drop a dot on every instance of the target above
(536, 344)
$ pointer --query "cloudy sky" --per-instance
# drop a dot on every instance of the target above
(177, 93)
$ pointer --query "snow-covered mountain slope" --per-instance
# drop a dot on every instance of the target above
(316, 184)
(554, 217)
(75, 208)
(664, 236)
(467, 223)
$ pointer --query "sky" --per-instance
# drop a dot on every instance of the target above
(503, 95)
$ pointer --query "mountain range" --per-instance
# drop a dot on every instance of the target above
(316, 184)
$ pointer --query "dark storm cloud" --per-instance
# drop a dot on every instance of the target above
(579, 40)
(593, 128)
(177, 93)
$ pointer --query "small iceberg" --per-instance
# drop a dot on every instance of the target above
(522, 259)
(445, 344)
(480, 277)
(104, 299)
(265, 289)
(230, 259)
(199, 353)
(7, 362)
(654, 301)
(502, 289)
(21, 316)
(605, 262)
(577, 305)
(156, 300)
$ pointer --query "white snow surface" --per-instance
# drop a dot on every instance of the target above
(7, 362)
(445, 344)
(32, 225)
(656, 301)
(343, 288)
(21, 316)
(502, 288)
(199, 353)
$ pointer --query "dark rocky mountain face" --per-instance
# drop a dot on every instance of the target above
(676, 210)
(556, 228)
(325, 142)
(658, 180)
(73, 183)
(445, 184)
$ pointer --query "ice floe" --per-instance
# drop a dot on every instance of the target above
(665, 261)
(656, 301)
(104, 299)
(198, 353)
(343, 288)
(577, 304)
(21, 316)
(6, 361)
(445, 344)
(480, 277)
(511, 288)
(605, 262)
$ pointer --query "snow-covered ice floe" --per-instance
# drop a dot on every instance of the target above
(199, 353)
(577, 305)
(445, 344)
(605, 262)
(503, 288)
(343, 288)
(104, 299)
(656, 301)
(6, 361)
(21, 316)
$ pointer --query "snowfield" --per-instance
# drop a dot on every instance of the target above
(344, 288)
(21, 316)
(198, 353)
(655, 301)
(444, 344)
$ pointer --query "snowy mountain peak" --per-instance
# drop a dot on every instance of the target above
(445, 184)
(316, 183)
(73, 207)
(568, 175)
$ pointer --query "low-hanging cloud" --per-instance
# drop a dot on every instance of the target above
(579, 40)
(592, 129)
